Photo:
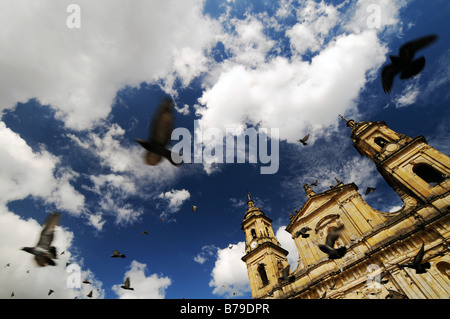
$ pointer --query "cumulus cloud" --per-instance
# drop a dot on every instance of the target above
(77, 71)
(26, 173)
(24, 277)
(175, 198)
(408, 96)
(151, 286)
(229, 275)
(288, 243)
(206, 252)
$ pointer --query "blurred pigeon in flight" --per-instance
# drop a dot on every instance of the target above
(43, 252)
(369, 190)
(50, 292)
(89, 294)
(160, 135)
(315, 183)
(303, 232)
(116, 254)
(126, 284)
(404, 63)
(145, 232)
(194, 208)
(417, 264)
(303, 140)
(328, 247)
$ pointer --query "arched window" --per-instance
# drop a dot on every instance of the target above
(428, 173)
(253, 232)
(262, 273)
(380, 141)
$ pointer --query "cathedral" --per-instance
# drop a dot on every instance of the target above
(380, 251)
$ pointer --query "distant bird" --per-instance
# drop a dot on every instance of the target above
(404, 63)
(43, 252)
(7, 265)
(369, 190)
(116, 254)
(315, 183)
(234, 293)
(303, 232)
(86, 282)
(126, 284)
(89, 294)
(230, 246)
(12, 294)
(417, 264)
(28, 271)
(50, 292)
(145, 232)
(324, 295)
(160, 135)
(303, 140)
(194, 208)
(328, 247)
(63, 252)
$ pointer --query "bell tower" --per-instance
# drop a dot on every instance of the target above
(415, 170)
(265, 258)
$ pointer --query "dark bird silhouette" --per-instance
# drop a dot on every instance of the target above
(50, 292)
(43, 252)
(303, 140)
(328, 247)
(324, 295)
(145, 232)
(303, 232)
(126, 284)
(417, 264)
(160, 135)
(12, 294)
(315, 183)
(116, 254)
(285, 277)
(369, 190)
(7, 265)
(86, 282)
(404, 63)
(89, 294)
(230, 246)
(194, 208)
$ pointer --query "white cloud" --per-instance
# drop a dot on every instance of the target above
(229, 274)
(24, 173)
(145, 287)
(78, 71)
(175, 198)
(288, 243)
(206, 252)
(408, 96)
(23, 276)
(293, 95)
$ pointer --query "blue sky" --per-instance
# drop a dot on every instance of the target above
(72, 100)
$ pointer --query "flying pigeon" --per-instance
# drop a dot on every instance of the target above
(303, 140)
(126, 284)
(230, 246)
(369, 190)
(43, 252)
(417, 264)
(328, 247)
(50, 292)
(404, 63)
(116, 254)
(145, 232)
(285, 277)
(89, 294)
(12, 294)
(194, 208)
(315, 183)
(160, 135)
(303, 232)
(7, 265)
(86, 282)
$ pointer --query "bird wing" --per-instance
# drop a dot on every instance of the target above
(162, 123)
(305, 229)
(127, 282)
(327, 249)
(410, 48)
(387, 77)
(305, 138)
(418, 258)
(413, 68)
(333, 236)
(152, 158)
(47, 232)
